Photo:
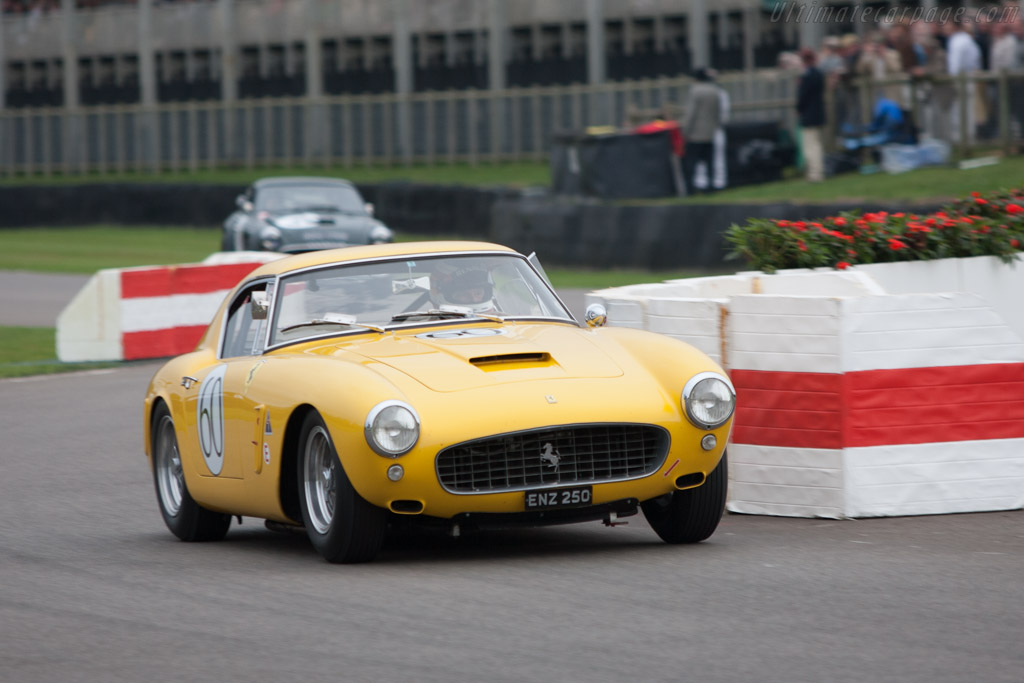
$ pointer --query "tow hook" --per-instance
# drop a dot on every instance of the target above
(612, 520)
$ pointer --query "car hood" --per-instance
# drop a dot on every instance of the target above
(460, 358)
(314, 219)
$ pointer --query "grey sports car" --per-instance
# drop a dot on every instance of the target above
(301, 214)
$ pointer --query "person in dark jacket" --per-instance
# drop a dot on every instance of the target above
(810, 105)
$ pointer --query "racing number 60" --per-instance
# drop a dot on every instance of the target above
(210, 419)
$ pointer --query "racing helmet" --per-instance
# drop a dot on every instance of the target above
(470, 288)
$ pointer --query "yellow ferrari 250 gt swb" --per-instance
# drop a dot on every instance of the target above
(443, 382)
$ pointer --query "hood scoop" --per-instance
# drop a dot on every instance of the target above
(508, 361)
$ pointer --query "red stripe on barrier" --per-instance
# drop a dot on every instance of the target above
(138, 284)
(794, 409)
(879, 407)
(160, 343)
(934, 404)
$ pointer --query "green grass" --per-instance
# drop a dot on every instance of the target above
(523, 174)
(921, 185)
(599, 279)
(26, 351)
(88, 249)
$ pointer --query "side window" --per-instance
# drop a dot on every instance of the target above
(244, 336)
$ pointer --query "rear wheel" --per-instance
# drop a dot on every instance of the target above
(341, 525)
(692, 515)
(184, 516)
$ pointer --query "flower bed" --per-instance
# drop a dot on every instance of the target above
(979, 225)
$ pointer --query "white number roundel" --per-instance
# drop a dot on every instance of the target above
(210, 418)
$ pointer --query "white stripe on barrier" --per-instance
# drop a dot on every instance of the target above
(162, 312)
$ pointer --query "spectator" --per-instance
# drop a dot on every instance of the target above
(831, 62)
(939, 94)
(1004, 48)
(702, 118)
(881, 63)
(810, 105)
(963, 56)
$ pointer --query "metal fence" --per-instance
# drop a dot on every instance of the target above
(470, 126)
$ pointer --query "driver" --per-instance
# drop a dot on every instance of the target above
(470, 288)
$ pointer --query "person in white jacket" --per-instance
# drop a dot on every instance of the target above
(963, 56)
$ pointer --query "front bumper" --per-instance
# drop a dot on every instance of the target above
(419, 491)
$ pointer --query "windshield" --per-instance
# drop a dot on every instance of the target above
(409, 292)
(309, 197)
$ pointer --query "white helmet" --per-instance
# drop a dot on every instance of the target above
(469, 288)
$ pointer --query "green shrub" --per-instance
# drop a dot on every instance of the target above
(979, 225)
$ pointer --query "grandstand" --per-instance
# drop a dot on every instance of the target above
(91, 52)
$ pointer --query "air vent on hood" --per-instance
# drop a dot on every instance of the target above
(505, 359)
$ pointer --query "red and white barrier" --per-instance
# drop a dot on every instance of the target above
(148, 312)
(855, 402)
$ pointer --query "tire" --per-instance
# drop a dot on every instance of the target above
(341, 525)
(692, 515)
(184, 516)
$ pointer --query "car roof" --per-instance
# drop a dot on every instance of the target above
(299, 180)
(350, 254)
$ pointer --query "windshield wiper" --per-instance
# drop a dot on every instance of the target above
(333, 319)
(447, 312)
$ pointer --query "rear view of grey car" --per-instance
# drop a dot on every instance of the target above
(293, 215)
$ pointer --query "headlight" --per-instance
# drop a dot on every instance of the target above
(270, 238)
(392, 428)
(381, 234)
(709, 400)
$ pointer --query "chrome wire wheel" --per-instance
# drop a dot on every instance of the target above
(319, 479)
(169, 476)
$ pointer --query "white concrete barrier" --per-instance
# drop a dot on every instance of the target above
(150, 311)
(867, 392)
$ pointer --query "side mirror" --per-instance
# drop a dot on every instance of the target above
(259, 305)
(242, 203)
(369, 207)
(597, 315)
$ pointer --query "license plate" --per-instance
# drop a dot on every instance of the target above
(570, 497)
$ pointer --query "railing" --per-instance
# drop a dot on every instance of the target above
(972, 112)
(470, 126)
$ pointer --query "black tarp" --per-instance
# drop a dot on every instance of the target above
(632, 165)
(615, 166)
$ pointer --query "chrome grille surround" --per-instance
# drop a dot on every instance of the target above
(585, 454)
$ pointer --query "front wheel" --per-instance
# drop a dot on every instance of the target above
(692, 515)
(186, 519)
(341, 525)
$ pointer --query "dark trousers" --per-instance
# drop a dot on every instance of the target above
(695, 153)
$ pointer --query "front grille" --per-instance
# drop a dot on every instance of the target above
(570, 454)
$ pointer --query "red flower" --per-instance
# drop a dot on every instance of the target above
(842, 265)
(1014, 208)
(801, 246)
(800, 225)
(896, 244)
(975, 194)
(840, 221)
(979, 200)
(1015, 243)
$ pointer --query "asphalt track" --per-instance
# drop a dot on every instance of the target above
(94, 588)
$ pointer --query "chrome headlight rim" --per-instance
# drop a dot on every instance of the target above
(381, 234)
(369, 425)
(688, 393)
(271, 238)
